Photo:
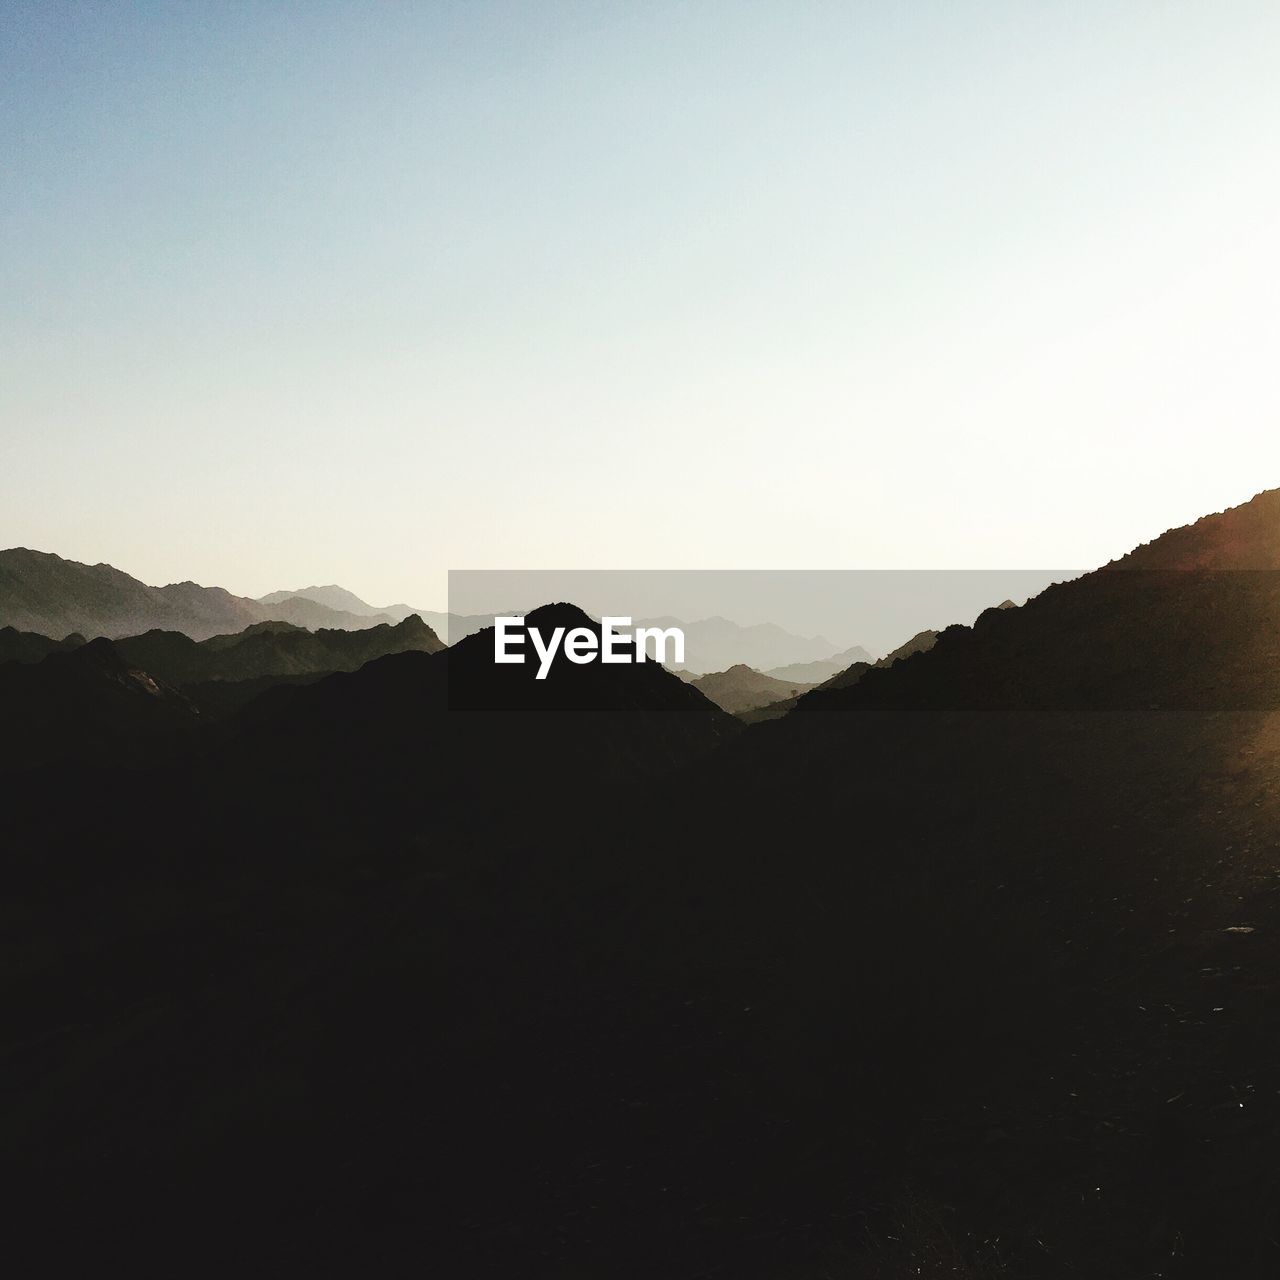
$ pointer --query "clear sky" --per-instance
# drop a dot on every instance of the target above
(305, 292)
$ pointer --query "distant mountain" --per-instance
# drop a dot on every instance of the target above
(711, 644)
(452, 627)
(823, 669)
(43, 593)
(715, 644)
(922, 642)
(301, 606)
(315, 616)
(332, 597)
(740, 689)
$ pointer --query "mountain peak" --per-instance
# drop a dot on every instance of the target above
(1243, 537)
(560, 614)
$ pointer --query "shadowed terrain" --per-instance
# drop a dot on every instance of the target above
(963, 966)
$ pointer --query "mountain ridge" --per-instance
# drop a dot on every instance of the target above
(44, 593)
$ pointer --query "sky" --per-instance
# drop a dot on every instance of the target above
(308, 293)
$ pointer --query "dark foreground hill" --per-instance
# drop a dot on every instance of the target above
(273, 649)
(965, 969)
(29, 646)
(849, 675)
(88, 703)
(45, 696)
(487, 726)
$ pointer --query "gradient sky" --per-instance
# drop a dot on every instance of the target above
(296, 293)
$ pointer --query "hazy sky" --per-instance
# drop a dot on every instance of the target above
(360, 293)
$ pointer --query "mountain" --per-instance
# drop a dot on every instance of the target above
(597, 720)
(711, 644)
(29, 646)
(1243, 538)
(312, 616)
(1059, 824)
(964, 968)
(922, 642)
(452, 627)
(347, 603)
(87, 703)
(823, 669)
(41, 592)
(714, 644)
(272, 649)
(297, 606)
(741, 689)
(332, 597)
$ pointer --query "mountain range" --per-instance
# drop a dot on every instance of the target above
(741, 689)
(772, 709)
(713, 644)
(964, 965)
(822, 669)
(43, 593)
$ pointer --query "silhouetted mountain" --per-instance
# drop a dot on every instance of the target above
(965, 968)
(452, 627)
(44, 593)
(922, 642)
(595, 720)
(272, 649)
(27, 646)
(1053, 822)
(741, 689)
(86, 703)
(1244, 537)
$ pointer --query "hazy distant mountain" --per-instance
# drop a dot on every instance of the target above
(332, 597)
(823, 669)
(43, 593)
(715, 644)
(741, 689)
(452, 627)
(331, 606)
(315, 616)
(711, 644)
(297, 606)
(922, 642)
